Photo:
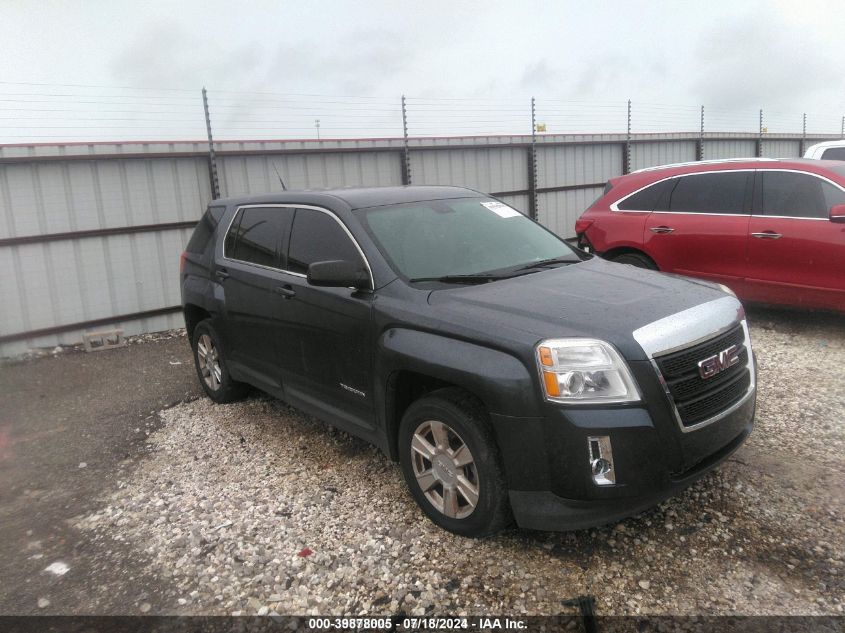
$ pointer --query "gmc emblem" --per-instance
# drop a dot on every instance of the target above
(712, 365)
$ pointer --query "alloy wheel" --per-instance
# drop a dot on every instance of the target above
(209, 362)
(445, 469)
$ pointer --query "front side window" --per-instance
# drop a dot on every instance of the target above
(318, 237)
(722, 192)
(462, 236)
(798, 195)
(256, 234)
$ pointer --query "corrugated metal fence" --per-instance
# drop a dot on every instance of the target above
(90, 234)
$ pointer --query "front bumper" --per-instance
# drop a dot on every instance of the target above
(547, 461)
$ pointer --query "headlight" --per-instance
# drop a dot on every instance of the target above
(584, 371)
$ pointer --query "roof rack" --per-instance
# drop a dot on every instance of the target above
(703, 162)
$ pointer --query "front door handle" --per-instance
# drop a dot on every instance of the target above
(661, 229)
(768, 235)
(286, 291)
(222, 274)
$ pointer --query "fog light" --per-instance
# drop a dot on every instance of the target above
(601, 460)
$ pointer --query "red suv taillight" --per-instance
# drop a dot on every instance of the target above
(582, 225)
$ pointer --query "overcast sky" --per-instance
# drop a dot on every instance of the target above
(785, 56)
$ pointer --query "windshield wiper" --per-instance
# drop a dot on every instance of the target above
(543, 263)
(478, 278)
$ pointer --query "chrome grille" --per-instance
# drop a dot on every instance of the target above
(695, 398)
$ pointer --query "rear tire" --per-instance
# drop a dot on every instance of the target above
(211, 366)
(636, 259)
(452, 465)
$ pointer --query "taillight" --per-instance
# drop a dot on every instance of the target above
(182, 259)
(582, 224)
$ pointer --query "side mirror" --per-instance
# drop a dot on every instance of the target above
(338, 274)
(837, 213)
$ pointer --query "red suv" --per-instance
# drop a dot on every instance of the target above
(771, 230)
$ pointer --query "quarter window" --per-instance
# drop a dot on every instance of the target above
(318, 237)
(798, 195)
(646, 200)
(707, 193)
(256, 234)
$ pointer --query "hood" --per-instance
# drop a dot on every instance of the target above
(594, 298)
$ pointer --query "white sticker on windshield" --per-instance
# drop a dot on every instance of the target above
(501, 209)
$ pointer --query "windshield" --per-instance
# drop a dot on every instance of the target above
(461, 236)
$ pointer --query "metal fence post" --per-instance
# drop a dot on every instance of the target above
(626, 157)
(699, 147)
(532, 164)
(804, 136)
(760, 136)
(212, 157)
(406, 152)
(533, 203)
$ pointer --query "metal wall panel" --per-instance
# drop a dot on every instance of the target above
(651, 154)
(731, 148)
(241, 175)
(73, 337)
(57, 196)
(72, 281)
(566, 165)
(558, 210)
(781, 149)
(488, 170)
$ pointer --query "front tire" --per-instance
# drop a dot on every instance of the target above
(212, 370)
(452, 465)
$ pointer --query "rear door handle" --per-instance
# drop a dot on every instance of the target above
(661, 229)
(286, 291)
(222, 274)
(768, 235)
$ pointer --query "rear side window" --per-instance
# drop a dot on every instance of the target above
(256, 235)
(318, 237)
(646, 199)
(708, 193)
(204, 230)
(798, 195)
(834, 153)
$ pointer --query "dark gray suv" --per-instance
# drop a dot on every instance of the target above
(513, 376)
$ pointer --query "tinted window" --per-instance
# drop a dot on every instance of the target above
(834, 153)
(798, 195)
(317, 237)
(708, 193)
(205, 230)
(832, 196)
(646, 200)
(256, 233)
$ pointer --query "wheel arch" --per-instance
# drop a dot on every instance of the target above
(194, 314)
(413, 364)
(623, 250)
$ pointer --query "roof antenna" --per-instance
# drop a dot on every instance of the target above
(281, 182)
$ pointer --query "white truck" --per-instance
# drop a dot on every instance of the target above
(829, 150)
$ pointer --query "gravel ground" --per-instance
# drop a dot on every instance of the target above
(255, 508)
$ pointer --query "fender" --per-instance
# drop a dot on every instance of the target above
(501, 381)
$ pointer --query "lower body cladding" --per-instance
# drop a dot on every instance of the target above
(581, 467)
